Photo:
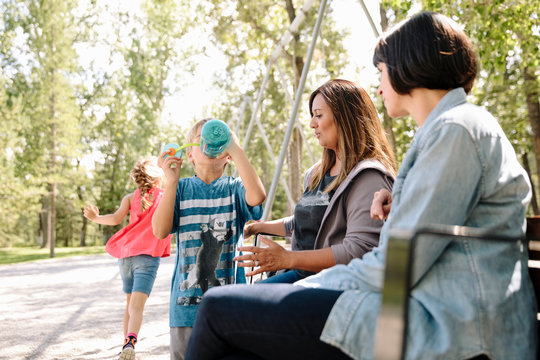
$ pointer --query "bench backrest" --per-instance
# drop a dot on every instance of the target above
(390, 337)
(533, 235)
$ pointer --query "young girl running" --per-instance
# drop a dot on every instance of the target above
(137, 249)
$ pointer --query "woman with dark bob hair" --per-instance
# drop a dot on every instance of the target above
(469, 299)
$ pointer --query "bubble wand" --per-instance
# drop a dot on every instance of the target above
(173, 149)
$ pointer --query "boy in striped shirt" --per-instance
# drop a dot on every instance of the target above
(207, 212)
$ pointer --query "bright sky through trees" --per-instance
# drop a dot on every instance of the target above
(360, 43)
(191, 98)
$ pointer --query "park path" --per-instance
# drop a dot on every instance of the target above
(72, 308)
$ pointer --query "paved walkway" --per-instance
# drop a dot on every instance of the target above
(72, 308)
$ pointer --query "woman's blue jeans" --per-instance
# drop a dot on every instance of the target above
(287, 277)
(265, 321)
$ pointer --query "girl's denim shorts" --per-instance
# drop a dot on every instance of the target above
(138, 273)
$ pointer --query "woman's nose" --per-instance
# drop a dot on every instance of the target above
(312, 122)
(379, 91)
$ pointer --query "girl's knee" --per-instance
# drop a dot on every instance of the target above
(137, 301)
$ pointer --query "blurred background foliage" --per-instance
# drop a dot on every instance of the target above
(72, 128)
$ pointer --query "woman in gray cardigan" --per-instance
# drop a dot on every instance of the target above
(331, 222)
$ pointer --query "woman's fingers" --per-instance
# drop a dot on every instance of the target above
(252, 249)
(246, 257)
(252, 264)
(255, 272)
(381, 205)
(271, 243)
(250, 260)
(267, 258)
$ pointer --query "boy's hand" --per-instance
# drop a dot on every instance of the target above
(91, 212)
(250, 229)
(170, 165)
(255, 193)
(232, 149)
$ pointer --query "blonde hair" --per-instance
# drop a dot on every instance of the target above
(360, 133)
(146, 174)
(198, 125)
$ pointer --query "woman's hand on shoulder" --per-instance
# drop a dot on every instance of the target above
(381, 205)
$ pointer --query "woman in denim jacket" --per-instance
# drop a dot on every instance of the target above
(469, 298)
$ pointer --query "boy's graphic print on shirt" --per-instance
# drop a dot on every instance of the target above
(213, 237)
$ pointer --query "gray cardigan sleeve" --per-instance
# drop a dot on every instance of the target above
(353, 216)
(288, 222)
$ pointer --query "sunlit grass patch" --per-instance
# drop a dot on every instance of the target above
(23, 254)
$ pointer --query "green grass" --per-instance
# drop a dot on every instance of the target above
(23, 254)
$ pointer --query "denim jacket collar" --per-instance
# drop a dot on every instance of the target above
(453, 98)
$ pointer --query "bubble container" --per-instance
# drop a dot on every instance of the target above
(215, 138)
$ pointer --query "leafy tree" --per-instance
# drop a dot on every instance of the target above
(12, 188)
(247, 33)
(399, 131)
(15, 204)
(128, 102)
(46, 128)
(506, 38)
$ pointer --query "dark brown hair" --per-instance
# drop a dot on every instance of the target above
(429, 51)
(360, 133)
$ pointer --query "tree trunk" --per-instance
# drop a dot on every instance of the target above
(51, 223)
(388, 122)
(43, 230)
(534, 114)
(266, 175)
(294, 151)
(295, 166)
(83, 231)
(84, 226)
(525, 161)
(266, 178)
(384, 18)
